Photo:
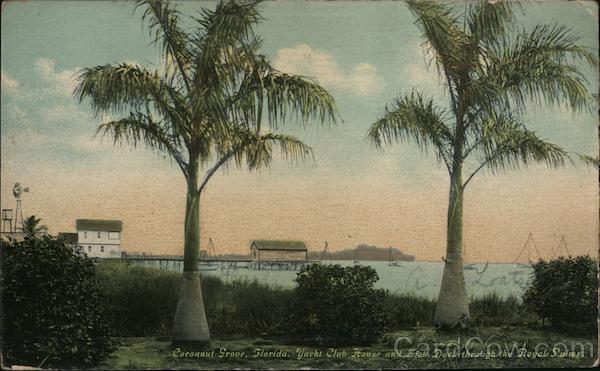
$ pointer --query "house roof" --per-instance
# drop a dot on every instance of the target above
(99, 225)
(68, 237)
(279, 245)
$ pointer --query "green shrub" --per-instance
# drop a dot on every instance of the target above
(337, 305)
(565, 292)
(53, 309)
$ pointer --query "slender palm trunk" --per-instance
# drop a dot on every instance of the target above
(452, 305)
(190, 325)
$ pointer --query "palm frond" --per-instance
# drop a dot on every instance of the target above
(589, 160)
(296, 96)
(221, 31)
(442, 34)
(259, 153)
(124, 87)
(487, 21)
(31, 225)
(256, 151)
(537, 66)
(140, 129)
(412, 118)
(163, 22)
(115, 88)
(505, 143)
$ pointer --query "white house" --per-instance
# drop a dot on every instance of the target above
(100, 238)
(262, 250)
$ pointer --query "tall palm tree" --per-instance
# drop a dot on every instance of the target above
(491, 69)
(204, 108)
(31, 226)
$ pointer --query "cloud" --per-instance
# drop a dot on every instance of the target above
(42, 115)
(62, 82)
(362, 79)
(8, 83)
(64, 113)
(418, 75)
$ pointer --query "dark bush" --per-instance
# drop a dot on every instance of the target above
(53, 308)
(564, 291)
(337, 305)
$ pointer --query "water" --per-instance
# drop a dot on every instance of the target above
(417, 278)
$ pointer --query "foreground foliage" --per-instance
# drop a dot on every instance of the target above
(140, 299)
(276, 353)
(53, 308)
(565, 292)
(338, 305)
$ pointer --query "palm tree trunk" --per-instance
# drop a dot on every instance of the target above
(190, 325)
(452, 305)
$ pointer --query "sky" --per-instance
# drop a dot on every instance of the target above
(365, 54)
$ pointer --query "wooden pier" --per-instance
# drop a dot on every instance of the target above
(167, 261)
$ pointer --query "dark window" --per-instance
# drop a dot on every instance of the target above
(101, 248)
(98, 234)
(89, 248)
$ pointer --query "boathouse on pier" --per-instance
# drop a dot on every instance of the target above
(273, 251)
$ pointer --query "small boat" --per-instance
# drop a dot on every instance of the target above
(356, 260)
(391, 261)
(526, 262)
(470, 266)
(204, 268)
(326, 255)
(209, 264)
(562, 249)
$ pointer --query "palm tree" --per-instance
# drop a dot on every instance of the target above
(490, 74)
(204, 108)
(31, 226)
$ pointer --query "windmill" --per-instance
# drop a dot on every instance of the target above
(18, 190)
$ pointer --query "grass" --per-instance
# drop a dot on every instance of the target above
(245, 316)
(430, 350)
(142, 302)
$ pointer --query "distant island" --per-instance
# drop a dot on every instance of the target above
(361, 252)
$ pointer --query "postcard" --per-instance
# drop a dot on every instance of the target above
(299, 184)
